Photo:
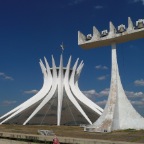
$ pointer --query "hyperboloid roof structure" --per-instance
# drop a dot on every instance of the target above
(59, 102)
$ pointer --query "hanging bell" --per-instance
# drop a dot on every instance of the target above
(121, 28)
(140, 23)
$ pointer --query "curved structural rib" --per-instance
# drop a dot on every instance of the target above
(79, 95)
(60, 91)
(59, 82)
(70, 95)
(48, 96)
(45, 89)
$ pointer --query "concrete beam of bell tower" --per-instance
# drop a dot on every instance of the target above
(98, 40)
(118, 113)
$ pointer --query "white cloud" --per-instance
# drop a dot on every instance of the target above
(98, 7)
(101, 103)
(6, 77)
(75, 2)
(93, 93)
(31, 92)
(104, 92)
(100, 67)
(139, 82)
(1, 74)
(132, 94)
(90, 93)
(136, 1)
(102, 77)
(137, 103)
(8, 103)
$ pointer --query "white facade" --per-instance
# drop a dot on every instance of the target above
(57, 81)
(118, 114)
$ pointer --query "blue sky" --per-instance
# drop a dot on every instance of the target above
(32, 29)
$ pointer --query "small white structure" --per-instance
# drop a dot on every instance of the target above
(118, 113)
(60, 95)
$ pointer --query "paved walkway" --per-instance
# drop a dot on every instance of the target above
(64, 140)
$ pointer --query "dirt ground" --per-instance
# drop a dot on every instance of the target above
(78, 132)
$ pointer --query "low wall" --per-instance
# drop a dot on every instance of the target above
(8, 141)
(17, 138)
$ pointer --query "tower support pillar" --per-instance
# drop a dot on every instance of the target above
(118, 113)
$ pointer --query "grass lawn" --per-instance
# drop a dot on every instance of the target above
(77, 132)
